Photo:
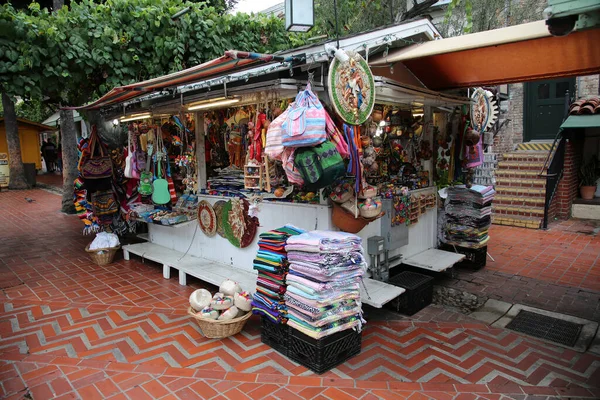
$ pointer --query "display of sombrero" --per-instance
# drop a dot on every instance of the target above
(207, 218)
(218, 207)
(239, 227)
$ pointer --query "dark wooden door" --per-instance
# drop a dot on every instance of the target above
(544, 107)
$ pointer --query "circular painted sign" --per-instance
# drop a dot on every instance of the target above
(207, 218)
(483, 110)
(352, 88)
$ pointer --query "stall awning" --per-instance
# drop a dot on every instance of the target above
(232, 61)
(582, 121)
(508, 55)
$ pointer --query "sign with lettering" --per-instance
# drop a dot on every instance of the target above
(4, 169)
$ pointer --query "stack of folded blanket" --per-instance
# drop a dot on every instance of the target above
(323, 293)
(272, 266)
(468, 212)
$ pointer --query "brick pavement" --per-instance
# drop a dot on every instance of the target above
(72, 329)
(49, 179)
(557, 270)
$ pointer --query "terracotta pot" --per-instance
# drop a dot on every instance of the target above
(587, 192)
(377, 115)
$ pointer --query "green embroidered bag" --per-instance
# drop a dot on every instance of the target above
(320, 165)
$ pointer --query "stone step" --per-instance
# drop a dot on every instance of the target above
(525, 211)
(519, 173)
(543, 147)
(518, 221)
(518, 165)
(525, 157)
(521, 201)
(519, 191)
(527, 182)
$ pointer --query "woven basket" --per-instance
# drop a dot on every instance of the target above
(370, 212)
(102, 256)
(214, 329)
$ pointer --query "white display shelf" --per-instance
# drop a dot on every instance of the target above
(376, 294)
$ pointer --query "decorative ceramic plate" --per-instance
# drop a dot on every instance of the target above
(240, 228)
(352, 88)
(207, 218)
(218, 207)
(484, 111)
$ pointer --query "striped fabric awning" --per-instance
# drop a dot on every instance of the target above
(232, 61)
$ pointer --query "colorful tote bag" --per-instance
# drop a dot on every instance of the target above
(305, 124)
(96, 166)
(292, 173)
(104, 203)
(274, 146)
(320, 166)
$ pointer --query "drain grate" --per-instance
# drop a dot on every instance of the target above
(544, 327)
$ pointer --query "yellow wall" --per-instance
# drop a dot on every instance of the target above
(30, 144)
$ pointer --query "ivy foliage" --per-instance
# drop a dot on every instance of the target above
(354, 16)
(80, 52)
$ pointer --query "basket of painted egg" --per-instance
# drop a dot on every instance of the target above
(223, 314)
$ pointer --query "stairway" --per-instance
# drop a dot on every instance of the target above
(520, 192)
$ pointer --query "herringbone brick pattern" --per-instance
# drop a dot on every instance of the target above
(70, 328)
(64, 379)
(404, 351)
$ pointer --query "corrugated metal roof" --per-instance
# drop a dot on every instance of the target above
(231, 62)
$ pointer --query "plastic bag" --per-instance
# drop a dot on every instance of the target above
(104, 240)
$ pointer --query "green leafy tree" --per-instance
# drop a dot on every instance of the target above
(354, 16)
(469, 16)
(78, 53)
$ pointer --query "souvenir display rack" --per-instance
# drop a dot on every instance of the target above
(163, 148)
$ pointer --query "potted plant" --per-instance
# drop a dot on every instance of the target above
(587, 180)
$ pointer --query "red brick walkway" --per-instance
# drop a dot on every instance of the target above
(72, 329)
(556, 270)
(50, 179)
(568, 253)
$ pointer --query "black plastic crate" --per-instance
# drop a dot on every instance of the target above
(419, 291)
(274, 335)
(321, 355)
(475, 258)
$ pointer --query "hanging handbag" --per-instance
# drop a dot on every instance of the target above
(160, 186)
(104, 203)
(292, 173)
(96, 166)
(305, 124)
(336, 137)
(274, 147)
(320, 166)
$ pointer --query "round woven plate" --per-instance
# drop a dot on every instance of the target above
(207, 218)
(240, 229)
(226, 226)
(218, 207)
(346, 80)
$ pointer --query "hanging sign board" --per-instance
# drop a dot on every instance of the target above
(4, 170)
(351, 88)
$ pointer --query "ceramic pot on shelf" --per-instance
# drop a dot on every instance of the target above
(587, 192)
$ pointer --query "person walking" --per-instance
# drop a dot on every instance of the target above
(50, 156)
(59, 160)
